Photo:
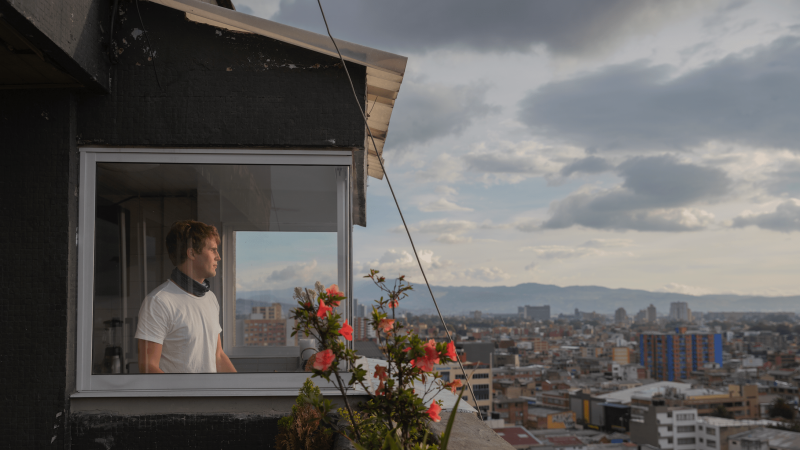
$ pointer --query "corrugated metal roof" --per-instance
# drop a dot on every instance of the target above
(385, 70)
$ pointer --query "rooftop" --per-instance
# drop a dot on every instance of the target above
(776, 439)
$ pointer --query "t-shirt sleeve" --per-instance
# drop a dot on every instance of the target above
(153, 320)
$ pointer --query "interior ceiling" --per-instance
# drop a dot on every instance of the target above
(22, 65)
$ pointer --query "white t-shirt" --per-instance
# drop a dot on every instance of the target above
(187, 327)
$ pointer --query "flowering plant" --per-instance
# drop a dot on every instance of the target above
(395, 409)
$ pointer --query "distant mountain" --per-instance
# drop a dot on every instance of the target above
(506, 299)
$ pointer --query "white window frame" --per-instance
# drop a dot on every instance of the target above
(189, 385)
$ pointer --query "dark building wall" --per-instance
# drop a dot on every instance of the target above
(173, 431)
(38, 215)
(219, 88)
(72, 34)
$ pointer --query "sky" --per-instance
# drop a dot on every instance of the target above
(627, 144)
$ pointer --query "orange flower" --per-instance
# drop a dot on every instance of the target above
(425, 363)
(453, 385)
(346, 331)
(323, 360)
(380, 373)
(451, 351)
(323, 309)
(386, 325)
(433, 412)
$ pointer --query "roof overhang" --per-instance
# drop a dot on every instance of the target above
(385, 70)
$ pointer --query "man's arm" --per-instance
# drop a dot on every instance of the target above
(149, 356)
(224, 363)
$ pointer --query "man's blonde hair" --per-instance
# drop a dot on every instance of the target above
(188, 232)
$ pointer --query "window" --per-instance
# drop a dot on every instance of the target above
(686, 441)
(480, 375)
(686, 429)
(711, 431)
(283, 220)
(710, 443)
(685, 417)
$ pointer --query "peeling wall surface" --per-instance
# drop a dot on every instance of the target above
(218, 89)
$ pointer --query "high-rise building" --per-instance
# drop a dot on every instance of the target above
(641, 316)
(362, 330)
(359, 310)
(620, 316)
(265, 332)
(541, 313)
(652, 314)
(269, 312)
(679, 311)
(673, 356)
(476, 315)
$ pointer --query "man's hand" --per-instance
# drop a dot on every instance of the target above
(224, 363)
(149, 356)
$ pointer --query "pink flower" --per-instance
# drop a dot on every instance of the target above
(453, 385)
(346, 331)
(433, 412)
(323, 360)
(393, 303)
(451, 351)
(380, 373)
(323, 309)
(386, 325)
(334, 291)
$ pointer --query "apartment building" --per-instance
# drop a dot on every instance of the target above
(480, 378)
(673, 356)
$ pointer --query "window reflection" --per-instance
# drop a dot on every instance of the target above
(281, 222)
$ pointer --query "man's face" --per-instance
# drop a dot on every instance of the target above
(204, 264)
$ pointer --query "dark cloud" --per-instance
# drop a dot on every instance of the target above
(427, 111)
(570, 27)
(785, 218)
(784, 182)
(590, 164)
(747, 98)
(655, 196)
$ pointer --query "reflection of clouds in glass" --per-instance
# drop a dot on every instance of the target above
(284, 260)
(282, 276)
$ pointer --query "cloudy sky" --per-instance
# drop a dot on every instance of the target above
(640, 144)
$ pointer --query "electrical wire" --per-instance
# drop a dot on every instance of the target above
(149, 45)
(385, 174)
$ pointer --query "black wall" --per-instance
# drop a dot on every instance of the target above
(37, 293)
(72, 34)
(218, 89)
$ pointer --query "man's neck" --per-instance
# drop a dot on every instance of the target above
(187, 270)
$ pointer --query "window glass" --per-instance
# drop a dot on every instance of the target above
(278, 229)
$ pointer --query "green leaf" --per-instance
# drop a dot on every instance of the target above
(450, 421)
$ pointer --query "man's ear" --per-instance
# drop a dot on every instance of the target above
(190, 253)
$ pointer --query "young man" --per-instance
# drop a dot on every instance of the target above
(179, 327)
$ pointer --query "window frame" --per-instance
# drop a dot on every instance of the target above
(188, 385)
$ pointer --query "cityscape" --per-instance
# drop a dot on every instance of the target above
(675, 379)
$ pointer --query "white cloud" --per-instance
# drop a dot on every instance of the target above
(449, 238)
(561, 252)
(300, 271)
(486, 274)
(442, 226)
(394, 262)
(442, 204)
(607, 243)
(676, 288)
